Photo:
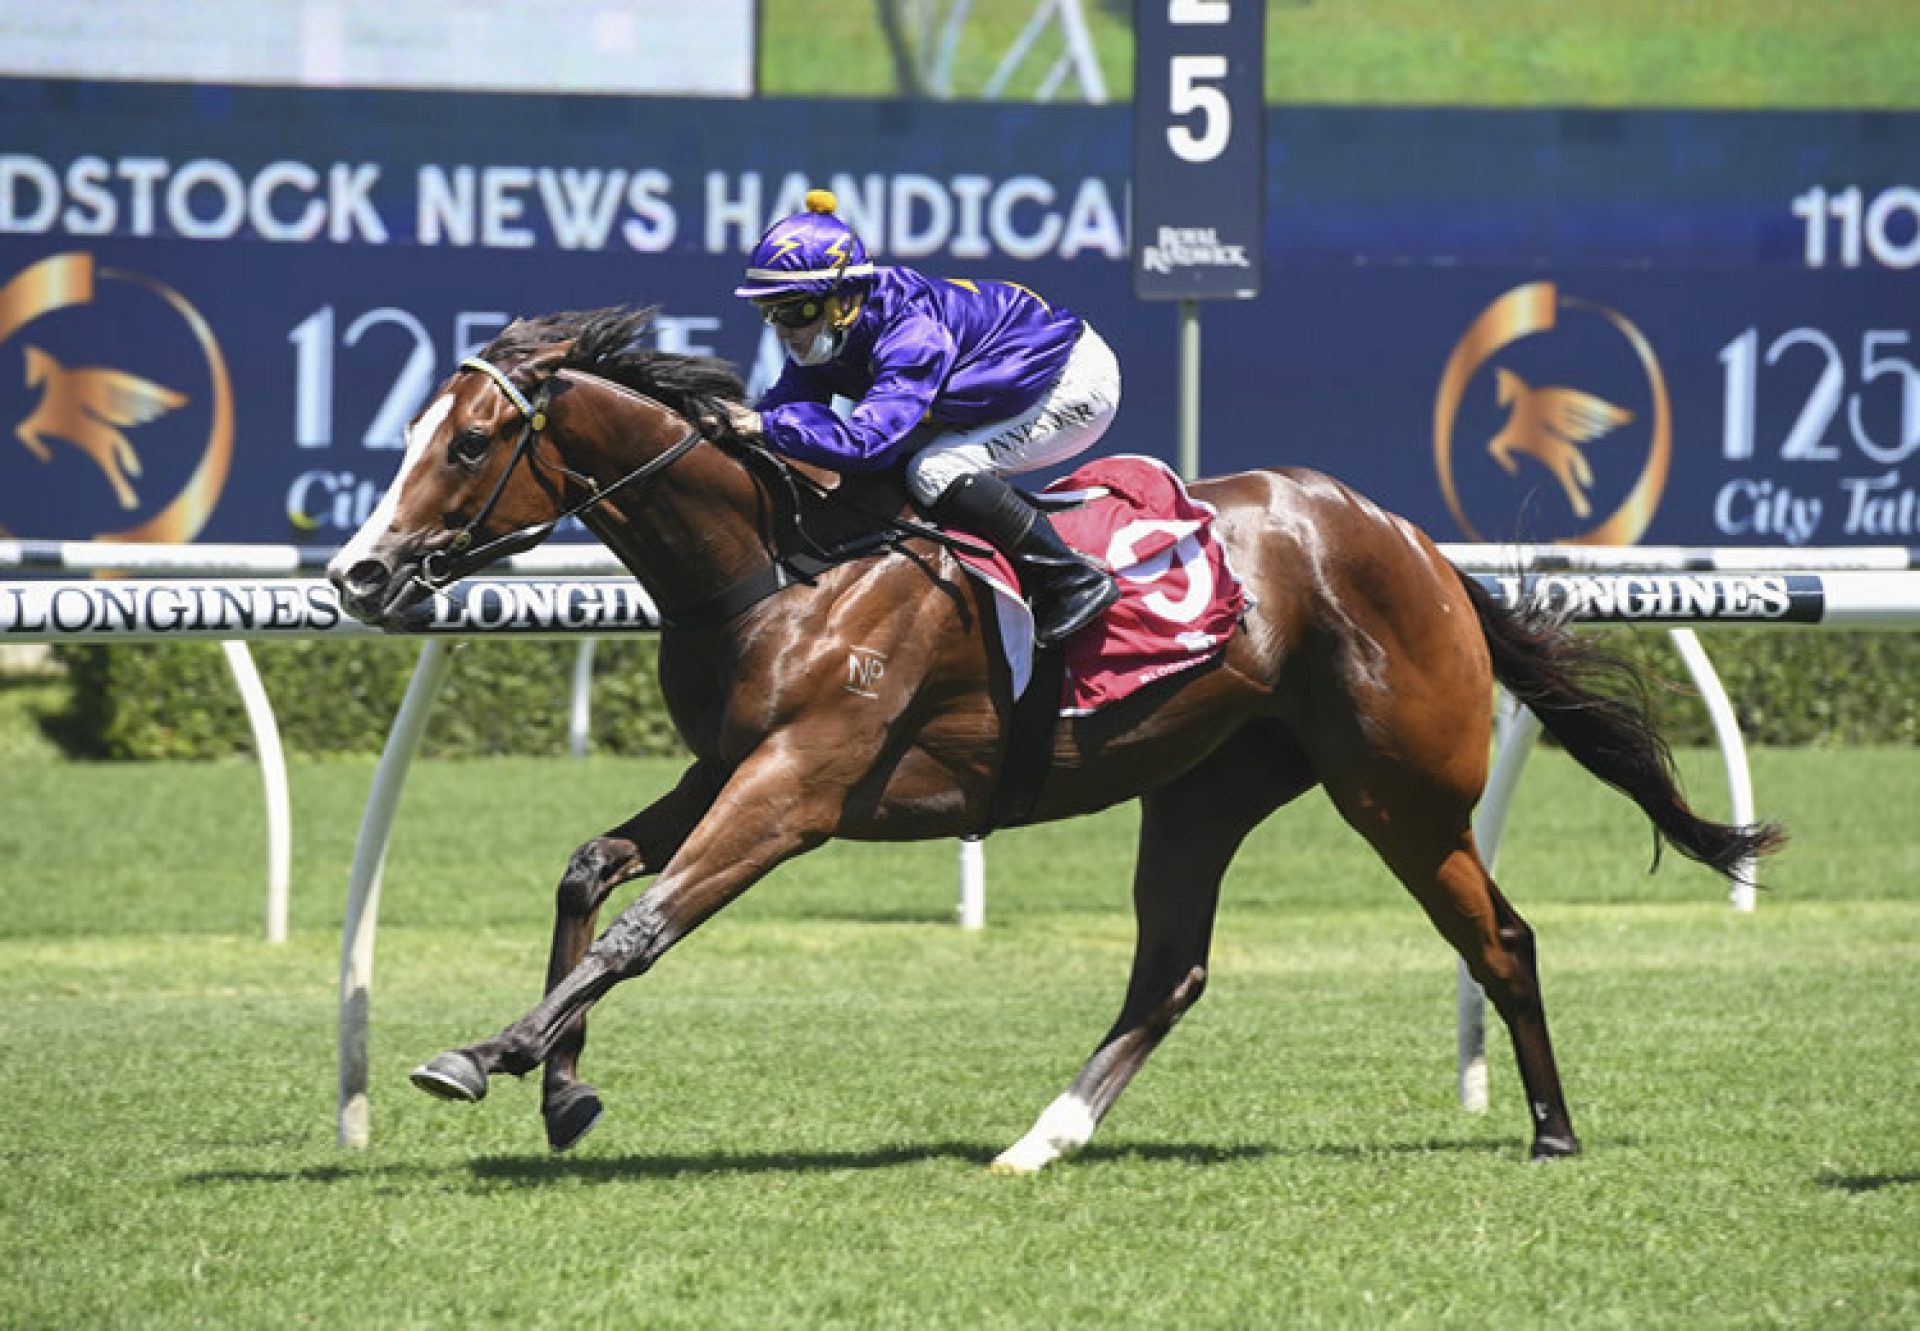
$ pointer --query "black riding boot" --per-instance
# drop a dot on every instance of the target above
(1068, 590)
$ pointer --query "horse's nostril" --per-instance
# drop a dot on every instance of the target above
(365, 577)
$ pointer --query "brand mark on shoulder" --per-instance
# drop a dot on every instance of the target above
(865, 669)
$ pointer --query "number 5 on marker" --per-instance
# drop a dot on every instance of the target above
(1189, 93)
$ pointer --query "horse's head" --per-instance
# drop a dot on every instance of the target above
(464, 481)
(503, 452)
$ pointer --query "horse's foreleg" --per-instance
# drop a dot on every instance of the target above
(569, 1106)
(637, 847)
(768, 812)
(1189, 832)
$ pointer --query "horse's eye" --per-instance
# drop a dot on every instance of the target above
(469, 447)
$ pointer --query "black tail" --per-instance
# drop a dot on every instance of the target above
(1559, 674)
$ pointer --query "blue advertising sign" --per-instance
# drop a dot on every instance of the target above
(219, 306)
(1198, 187)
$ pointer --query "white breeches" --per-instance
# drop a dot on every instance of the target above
(1063, 424)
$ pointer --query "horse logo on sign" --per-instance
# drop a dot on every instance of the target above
(91, 409)
(1621, 399)
(151, 406)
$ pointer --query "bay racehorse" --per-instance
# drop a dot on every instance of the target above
(1364, 664)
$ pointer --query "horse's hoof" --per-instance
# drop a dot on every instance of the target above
(570, 1115)
(1024, 1159)
(1555, 1148)
(452, 1076)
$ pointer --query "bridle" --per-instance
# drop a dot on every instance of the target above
(461, 556)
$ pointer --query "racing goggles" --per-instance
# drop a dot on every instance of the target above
(793, 313)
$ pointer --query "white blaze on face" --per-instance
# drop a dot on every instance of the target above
(419, 435)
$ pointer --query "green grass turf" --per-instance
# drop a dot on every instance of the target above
(1660, 53)
(802, 1098)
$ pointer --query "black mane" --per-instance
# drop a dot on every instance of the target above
(613, 344)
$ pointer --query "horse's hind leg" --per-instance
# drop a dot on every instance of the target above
(1189, 831)
(1498, 947)
(1436, 858)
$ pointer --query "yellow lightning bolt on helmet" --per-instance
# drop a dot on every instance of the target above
(812, 253)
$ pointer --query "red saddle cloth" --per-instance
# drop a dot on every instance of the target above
(1179, 600)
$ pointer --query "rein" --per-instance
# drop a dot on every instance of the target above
(462, 556)
(800, 557)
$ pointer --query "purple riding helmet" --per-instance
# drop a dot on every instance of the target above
(806, 265)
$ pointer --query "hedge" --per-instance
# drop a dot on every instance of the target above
(178, 701)
(1790, 686)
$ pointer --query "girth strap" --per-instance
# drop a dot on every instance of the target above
(1029, 751)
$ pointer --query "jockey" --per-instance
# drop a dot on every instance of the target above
(961, 382)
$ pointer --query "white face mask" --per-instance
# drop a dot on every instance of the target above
(825, 344)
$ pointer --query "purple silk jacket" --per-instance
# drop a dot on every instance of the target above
(950, 351)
